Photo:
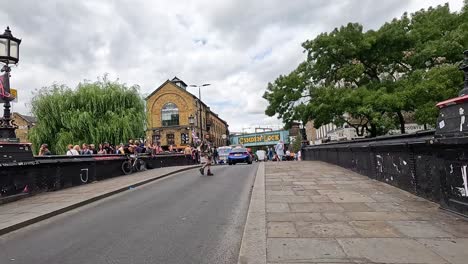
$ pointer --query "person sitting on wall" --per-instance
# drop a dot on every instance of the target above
(44, 150)
(71, 151)
(85, 150)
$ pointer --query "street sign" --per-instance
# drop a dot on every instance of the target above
(14, 94)
(223, 136)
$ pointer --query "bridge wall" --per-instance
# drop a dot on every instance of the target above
(50, 173)
(431, 168)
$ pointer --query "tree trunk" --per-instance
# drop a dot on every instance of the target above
(402, 122)
(373, 130)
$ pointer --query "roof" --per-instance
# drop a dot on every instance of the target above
(175, 79)
(29, 119)
(185, 91)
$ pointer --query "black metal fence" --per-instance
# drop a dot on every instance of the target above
(49, 173)
(435, 169)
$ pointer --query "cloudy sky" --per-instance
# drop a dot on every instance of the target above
(237, 46)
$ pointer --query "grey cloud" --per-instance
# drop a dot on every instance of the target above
(147, 42)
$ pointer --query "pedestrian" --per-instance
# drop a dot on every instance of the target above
(71, 151)
(108, 148)
(44, 150)
(279, 149)
(188, 154)
(101, 150)
(207, 153)
(288, 155)
(93, 149)
(215, 155)
(120, 149)
(85, 149)
(270, 153)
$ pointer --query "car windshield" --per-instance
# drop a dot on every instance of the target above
(224, 151)
(237, 150)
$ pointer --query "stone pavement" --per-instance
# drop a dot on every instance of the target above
(35, 208)
(322, 213)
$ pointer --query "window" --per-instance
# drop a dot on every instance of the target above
(184, 139)
(170, 139)
(170, 115)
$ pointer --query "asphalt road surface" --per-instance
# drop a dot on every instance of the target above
(185, 218)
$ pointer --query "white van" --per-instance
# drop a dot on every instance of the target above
(223, 153)
(261, 155)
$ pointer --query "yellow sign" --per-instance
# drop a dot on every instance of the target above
(14, 94)
(259, 138)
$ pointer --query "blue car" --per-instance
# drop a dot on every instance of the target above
(239, 155)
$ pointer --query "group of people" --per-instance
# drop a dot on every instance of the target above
(203, 152)
(278, 153)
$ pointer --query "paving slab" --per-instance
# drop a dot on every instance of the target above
(332, 215)
(419, 229)
(453, 250)
(304, 249)
(389, 250)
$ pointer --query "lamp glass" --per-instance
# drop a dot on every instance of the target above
(14, 49)
(3, 47)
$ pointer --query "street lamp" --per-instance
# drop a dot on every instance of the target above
(9, 54)
(191, 123)
(199, 98)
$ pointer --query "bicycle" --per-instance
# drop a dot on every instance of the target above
(133, 164)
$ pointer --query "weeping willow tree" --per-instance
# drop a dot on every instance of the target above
(94, 112)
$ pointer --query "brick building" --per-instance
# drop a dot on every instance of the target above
(168, 110)
(24, 123)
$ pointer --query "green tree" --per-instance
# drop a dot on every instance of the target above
(296, 144)
(94, 112)
(371, 79)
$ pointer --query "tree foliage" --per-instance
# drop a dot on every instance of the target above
(371, 79)
(94, 112)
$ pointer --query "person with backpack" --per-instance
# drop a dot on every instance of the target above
(207, 153)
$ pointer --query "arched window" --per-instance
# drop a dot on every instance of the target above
(170, 115)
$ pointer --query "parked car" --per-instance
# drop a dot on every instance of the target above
(239, 155)
(223, 153)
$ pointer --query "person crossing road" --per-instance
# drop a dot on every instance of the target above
(207, 154)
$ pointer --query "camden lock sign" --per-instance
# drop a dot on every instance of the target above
(260, 138)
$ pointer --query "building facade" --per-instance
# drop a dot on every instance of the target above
(24, 123)
(169, 110)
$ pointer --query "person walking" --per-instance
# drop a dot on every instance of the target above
(279, 149)
(207, 153)
(270, 154)
(215, 155)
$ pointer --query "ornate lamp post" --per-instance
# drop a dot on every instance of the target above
(199, 98)
(191, 123)
(9, 54)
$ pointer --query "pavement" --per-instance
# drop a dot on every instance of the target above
(314, 212)
(36, 208)
(183, 218)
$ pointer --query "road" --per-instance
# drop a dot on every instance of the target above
(185, 218)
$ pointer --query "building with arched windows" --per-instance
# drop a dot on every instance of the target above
(169, 108)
